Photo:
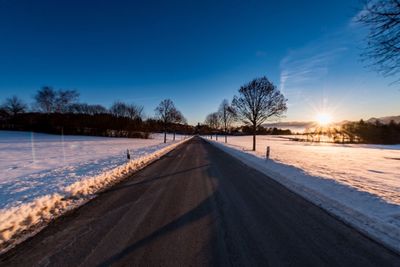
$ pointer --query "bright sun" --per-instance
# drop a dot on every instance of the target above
(323, 119)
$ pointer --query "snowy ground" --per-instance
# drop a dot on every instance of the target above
(358, 183)
(44, 175)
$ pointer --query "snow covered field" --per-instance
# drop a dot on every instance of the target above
(358, 183)
(44, 175)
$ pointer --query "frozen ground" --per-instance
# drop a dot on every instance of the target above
(359, 183)
(44, 175)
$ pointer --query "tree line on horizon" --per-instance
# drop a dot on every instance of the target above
(60, 112)
(370, 132)
(355, 132)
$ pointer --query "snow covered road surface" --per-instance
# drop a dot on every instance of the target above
(358, 183)
(44, 175)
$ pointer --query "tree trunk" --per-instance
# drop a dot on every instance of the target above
(254, 137)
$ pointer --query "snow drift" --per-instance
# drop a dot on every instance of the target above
(18, 222)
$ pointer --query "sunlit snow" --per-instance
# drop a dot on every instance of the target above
(359, 183)
(45, 175)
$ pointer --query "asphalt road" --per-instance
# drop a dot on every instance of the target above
(198, 206)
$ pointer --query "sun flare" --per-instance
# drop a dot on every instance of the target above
(323, 119)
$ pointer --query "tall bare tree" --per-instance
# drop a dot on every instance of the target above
(49, 100)
(382, 18)
(178, 118)
(45, 99)
(213, 121)
(227, 116)
(258, 101)
(166, 113)
(134, 111)
(119, 109)
(14, 106)
(65, 98)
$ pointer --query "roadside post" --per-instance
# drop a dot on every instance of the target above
(267, 153)
(128, 156)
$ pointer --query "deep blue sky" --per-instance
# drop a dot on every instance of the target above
(194, 52)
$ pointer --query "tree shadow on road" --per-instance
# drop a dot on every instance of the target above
(206, 207)
(153, 179)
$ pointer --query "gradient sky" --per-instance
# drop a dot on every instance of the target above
(195, 52)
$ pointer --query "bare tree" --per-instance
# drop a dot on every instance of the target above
(134, 111)
(45, 99)
(213, 121)
(65, 98)
(258, 101)
(178, 118)
(382, 18)
(166, 112)
(49, 100)
(227, 116)
(14, 106)
(119, 109)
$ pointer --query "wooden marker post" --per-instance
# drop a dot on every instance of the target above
(267, 153)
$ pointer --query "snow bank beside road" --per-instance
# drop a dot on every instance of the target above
(20, 219)
(358, 204)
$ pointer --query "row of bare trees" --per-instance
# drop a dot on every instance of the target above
(169, 115)
(256, 102)
(49, 100)
(222, 119)
(356, 132)
(53, 109)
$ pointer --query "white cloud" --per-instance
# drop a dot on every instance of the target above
(308, 65)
